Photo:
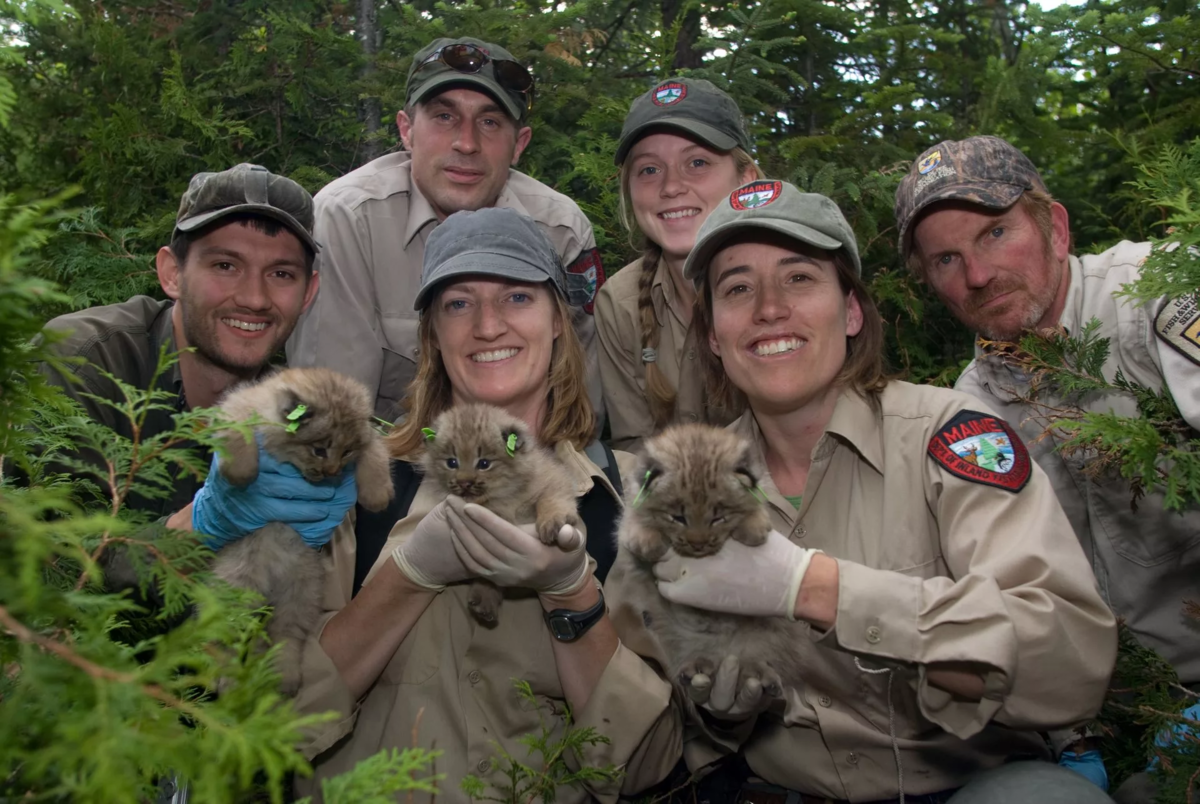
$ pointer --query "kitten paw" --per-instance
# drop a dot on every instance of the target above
(483, 601)
(699, 670)
(548, 529)
(771, 683)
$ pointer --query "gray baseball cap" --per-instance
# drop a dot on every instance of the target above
(427, 78)
(691, 105)
(982, 170)
(247, 188)
(778, 207)
(494, 241)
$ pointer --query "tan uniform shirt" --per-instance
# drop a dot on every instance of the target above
(933, 568)
(461, 674)
(372, 225)
(622, 372)
(1147, 562)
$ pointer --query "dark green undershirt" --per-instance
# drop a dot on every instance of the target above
(795, 501)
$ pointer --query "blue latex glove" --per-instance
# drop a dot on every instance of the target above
(1166, 737)
(226, 513)
(1089, 765)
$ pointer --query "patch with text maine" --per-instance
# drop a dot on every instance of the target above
(982, 448)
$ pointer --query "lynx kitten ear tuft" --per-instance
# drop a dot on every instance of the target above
(512, 443)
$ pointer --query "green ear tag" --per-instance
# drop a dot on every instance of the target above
(759, 493)
(429, 434)
(638, 499)
(511, 445)
(295, 416)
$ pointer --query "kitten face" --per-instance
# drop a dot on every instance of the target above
(331, 433)
(699, 493)
(468, 456)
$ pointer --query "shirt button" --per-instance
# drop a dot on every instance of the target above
(825, 700)
(691, 354)
(416, 351)
(483, 766)
(692, 417)
(474, 676)
(874, 634)
(801, 532)
(852, 758)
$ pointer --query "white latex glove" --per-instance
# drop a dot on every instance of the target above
(427, 557)
(758, 581)
(512, 555)
(733, 692)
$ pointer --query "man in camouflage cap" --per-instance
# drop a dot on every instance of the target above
(977, 223)
(237, 274)
(464, 128)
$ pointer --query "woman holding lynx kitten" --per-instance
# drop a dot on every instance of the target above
(944, 612)
(412, 653)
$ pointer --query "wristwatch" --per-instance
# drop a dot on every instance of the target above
(568, 626)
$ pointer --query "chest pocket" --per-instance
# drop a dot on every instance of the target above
(401, 351)
(1145, 537)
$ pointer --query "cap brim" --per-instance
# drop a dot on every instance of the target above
(266, 211)
(445, 80)
(990, 195)
(486, 264)
(710, 136)
(702, 253)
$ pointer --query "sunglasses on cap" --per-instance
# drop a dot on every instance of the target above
(466, 58)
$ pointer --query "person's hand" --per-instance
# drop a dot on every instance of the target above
(732, 692)
(512, 555)
(760, 581)
(225, 513)
(427, 557)
(1088, 764)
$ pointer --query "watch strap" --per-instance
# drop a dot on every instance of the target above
(567, 625)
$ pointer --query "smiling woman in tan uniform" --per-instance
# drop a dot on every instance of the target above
(943, 610)
(495, 329)
(683, 148)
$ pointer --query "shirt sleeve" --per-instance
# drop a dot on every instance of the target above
(629, 415)
(341, 329)
(1020, 604)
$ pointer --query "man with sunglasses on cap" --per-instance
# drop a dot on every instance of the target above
(463, 128)
(978, 224)
(237, 273)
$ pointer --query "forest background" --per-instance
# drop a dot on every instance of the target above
(108, 108)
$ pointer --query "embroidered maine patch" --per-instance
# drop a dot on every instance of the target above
(585, 277)
(1178, 323)
(983, 449)
(669, 93)
(755, 195)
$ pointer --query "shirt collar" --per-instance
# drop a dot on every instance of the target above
(421, 213)
(580, 469)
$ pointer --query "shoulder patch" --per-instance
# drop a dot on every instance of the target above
(585, 276)
(982, 448)
(1178, 323)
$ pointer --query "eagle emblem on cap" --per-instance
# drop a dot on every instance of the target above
(670, 92)
(755, 195)
(929, 162)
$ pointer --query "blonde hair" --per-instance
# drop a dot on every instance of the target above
(569, 415)
(863, 369)
(659, 392)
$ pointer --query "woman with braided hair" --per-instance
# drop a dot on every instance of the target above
(683, 149)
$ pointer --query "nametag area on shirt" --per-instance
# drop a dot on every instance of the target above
(983, 449)
(1178, 323)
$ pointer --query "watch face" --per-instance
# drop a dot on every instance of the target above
(562, 629)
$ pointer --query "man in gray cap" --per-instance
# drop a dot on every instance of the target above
(238, 273)
(463, 127)
(978, 224)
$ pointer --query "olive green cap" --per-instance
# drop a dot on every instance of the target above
(247, 188)
(436, 77)
(982, 170)
(775, 206)
(691, 105)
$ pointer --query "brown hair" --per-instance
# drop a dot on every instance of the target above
(569, 415)
(659, 392)
(863, 370)
(1035, 203)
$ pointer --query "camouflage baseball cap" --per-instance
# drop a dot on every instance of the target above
(691, 105)
(778, 207)
(982, 170)
(247, 188)
(428, 76)
(494, 241)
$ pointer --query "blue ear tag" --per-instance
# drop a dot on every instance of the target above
(510, 446)
(638, 499)
(295, 416)
(429, 434)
